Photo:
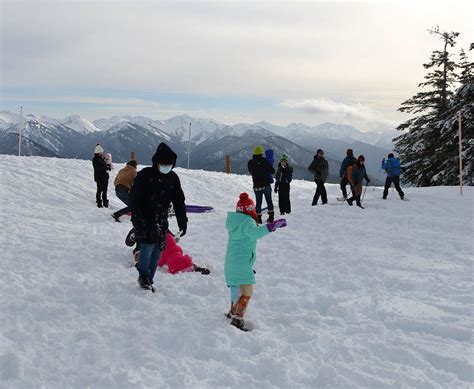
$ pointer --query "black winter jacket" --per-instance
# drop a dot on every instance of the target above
(283, 175)
(320, 168)
(261, 171)
(100, 168)
(151, 195)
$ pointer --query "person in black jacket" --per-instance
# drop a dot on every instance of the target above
(154, 188)
(283, 177)
(320, 169)
(261, 171)
(101, 176)
(349, 160)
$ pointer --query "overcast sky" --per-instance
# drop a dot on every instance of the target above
(234, 61)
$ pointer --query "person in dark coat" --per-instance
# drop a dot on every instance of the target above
(348, 161)
(261, 172)
(392, 167)
(101, 176)
(320, 169)
(283, 177)
(153, 190)
(358, 173)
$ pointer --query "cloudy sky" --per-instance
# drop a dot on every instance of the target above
(234, 61)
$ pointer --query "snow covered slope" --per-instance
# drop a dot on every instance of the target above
(345, 297)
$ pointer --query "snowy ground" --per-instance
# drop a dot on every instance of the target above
(381, 297)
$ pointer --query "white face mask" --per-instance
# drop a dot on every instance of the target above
(165, 169)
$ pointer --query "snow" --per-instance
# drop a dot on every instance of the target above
(345, 298)
(79, 124)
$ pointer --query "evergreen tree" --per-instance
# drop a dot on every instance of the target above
(463, 103)
(419, 148)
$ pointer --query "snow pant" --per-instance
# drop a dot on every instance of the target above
(356, 192)
(267, 192)
(149, 256)
(344, 182)
(124, 195)
(101, 194)
(320, 191)
(239, 299)
(388, 184)
(284, 197)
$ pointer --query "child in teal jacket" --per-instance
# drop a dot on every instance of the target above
(241, 255)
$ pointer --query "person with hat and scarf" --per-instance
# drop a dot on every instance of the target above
(153, 190)
(101, 176)
(261, 171)
(283, 177)
(320, 169)
(241, 255)
(357, 174)
(349, 160)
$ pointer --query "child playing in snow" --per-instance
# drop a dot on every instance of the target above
(240, 256)
(172, 256)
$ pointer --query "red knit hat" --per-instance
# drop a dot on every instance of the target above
(246, 205)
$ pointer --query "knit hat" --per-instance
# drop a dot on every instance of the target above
(246, 205)
(319, 152)
(258, 150)
(98, 149)
(391, 155)
(349, 153)
(360, 158)
(284, 157)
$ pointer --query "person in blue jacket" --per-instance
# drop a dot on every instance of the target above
(392, 167)
(241, 255)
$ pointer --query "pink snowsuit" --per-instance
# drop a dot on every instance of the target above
(174, 257)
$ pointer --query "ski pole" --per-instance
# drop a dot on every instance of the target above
(345, 198)
(366, 185)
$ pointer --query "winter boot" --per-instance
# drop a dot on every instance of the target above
(271, 216)
(239, 323)
(106, 203)
(259, 218)
(99, 204)
(144, 282)
(202, 270)
(350, 201)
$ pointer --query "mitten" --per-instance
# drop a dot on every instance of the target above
(276, 224)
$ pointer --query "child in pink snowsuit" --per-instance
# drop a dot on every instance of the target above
(175, 259)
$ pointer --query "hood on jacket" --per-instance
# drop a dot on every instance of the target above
(164, 155)
(235, 219)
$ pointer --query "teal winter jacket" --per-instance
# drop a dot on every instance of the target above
(241, 248)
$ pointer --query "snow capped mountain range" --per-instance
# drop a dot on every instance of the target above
(75, 137)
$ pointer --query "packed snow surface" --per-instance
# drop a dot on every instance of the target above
(345, 297)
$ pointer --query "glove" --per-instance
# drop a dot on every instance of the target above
(368, 180)
(276, 224)
(383, 160)
(182, 230)
(276, 189)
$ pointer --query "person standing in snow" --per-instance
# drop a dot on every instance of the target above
(241, 255)
(123, 184)
(356, 174)
(101, 176)
(153, 190)
(349, 160)
(320, 169)
(271, 161)
(283, 177)
(261, 171)
(392, 167)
